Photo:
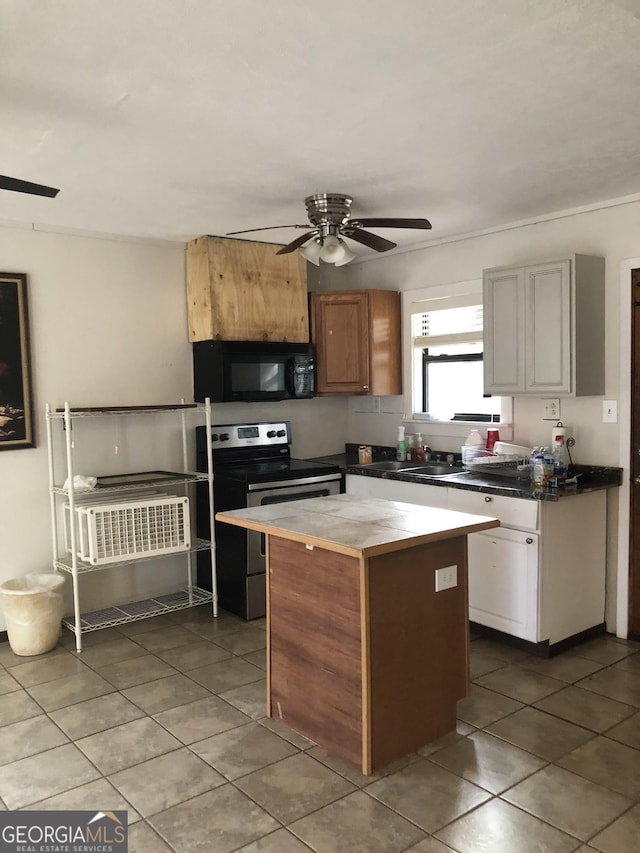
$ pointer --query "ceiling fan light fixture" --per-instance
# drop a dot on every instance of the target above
(333, 250)
(312, 252)
(348, 255)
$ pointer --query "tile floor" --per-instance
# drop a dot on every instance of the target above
(165, 718)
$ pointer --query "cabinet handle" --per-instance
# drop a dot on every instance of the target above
(529, 540)
(365, 387)
(488, 499)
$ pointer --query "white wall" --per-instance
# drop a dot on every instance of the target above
(108, 327)
(612, 232)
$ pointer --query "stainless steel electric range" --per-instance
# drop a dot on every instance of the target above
(252, 466)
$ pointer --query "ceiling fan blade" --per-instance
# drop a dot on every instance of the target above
(26, 187)
(267, 228)
(393, 223)
(370, 240)
(296, 243)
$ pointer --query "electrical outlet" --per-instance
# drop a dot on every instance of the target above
(551, 410)
(446, 578)
(609, 411)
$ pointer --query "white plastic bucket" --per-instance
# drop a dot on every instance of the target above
(33, 609)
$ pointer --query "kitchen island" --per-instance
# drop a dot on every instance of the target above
(367, 621)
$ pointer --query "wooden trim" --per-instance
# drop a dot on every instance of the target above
(268, 626)
(634, 466)
(365, 633)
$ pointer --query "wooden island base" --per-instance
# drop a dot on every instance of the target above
(364, 656)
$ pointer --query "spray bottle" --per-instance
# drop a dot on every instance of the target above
(401, 446)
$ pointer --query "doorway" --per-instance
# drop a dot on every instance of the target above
(634, 466)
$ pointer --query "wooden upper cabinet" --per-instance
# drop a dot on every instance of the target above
(356, 335)
(239, 290)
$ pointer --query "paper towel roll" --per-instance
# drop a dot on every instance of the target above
(560, 430)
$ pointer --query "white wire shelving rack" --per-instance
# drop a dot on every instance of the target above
(188, 596)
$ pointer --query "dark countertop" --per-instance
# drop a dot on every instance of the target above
(591, 478)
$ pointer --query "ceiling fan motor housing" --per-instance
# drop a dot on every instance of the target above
(328, 208)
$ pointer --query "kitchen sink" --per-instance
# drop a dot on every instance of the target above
(434, 469)
(427, 469)
(393, 465)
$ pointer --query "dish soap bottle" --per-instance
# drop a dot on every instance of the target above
(401, 446)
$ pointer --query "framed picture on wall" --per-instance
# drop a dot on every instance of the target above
(16, 410)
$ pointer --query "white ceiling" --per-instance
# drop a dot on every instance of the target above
(174, 118)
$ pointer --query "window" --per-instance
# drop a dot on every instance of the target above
(444, 332)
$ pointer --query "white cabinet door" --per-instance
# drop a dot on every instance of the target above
(396, 490)
(544, 328)
(503, 581)
(503, 331)
(548, 328)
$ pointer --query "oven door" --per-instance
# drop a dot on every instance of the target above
(262, 494)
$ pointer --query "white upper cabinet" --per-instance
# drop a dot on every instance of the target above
(544, 328)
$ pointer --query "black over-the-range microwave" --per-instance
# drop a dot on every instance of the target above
(251, 371)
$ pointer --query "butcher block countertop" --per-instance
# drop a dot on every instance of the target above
(356, 526)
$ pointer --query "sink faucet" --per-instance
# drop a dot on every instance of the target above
(427, 451)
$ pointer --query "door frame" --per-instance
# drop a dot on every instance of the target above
(624, 448)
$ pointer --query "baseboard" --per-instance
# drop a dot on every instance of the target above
(543, 649)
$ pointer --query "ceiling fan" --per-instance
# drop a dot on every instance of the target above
(18, 186)
(329, 215)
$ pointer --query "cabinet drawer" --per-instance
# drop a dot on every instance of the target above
(397, 490)
(512, 512)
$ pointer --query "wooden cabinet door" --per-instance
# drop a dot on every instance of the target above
(548, 328)
(340, 331)
(504, 331)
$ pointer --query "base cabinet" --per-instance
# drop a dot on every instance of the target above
(540, 576)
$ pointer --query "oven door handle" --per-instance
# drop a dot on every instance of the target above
(283, 484)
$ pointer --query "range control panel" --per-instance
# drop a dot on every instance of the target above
(251, 435)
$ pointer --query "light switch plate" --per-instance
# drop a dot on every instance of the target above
(446, 578)
(609, 411)
(551, 410)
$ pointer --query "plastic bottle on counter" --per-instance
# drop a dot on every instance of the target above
(410, 442)
(537, 467)
(420, 454)
(560, 459)
(474, 438)
(401, 446)
(542, 466)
